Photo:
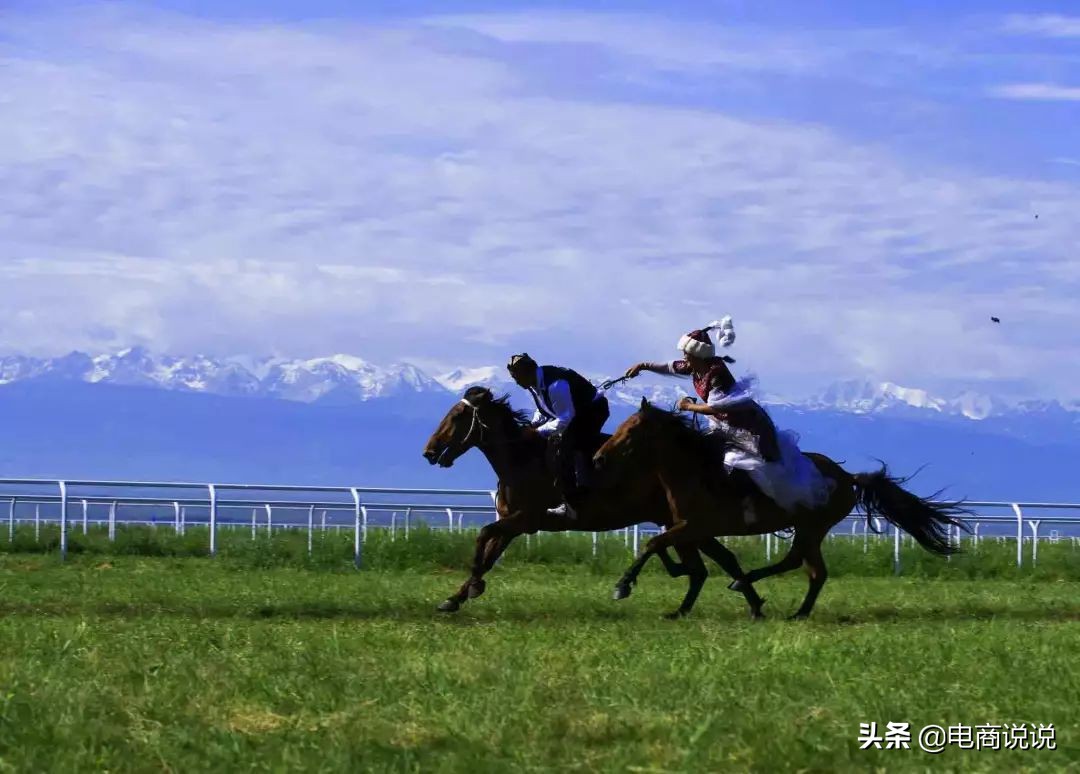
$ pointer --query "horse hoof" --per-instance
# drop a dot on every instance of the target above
(676, 615)
(757, 615)
(622, 591)
(798, 617)
(476, 588)
(449, 606)
(737, 585)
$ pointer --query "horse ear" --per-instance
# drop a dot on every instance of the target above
(644, 403)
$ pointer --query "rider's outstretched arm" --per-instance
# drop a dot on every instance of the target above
(653, 367)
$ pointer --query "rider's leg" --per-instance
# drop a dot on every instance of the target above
(586, 441)
(565, 469)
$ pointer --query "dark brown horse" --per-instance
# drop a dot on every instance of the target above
(658, 445)
(527, 489)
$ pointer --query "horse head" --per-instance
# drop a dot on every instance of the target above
(463, 427)
(481, 420)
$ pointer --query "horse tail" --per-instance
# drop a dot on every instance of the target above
(925, 519)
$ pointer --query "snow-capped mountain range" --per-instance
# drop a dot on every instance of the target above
(350, 379)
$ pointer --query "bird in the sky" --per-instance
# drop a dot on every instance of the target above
(994, 319)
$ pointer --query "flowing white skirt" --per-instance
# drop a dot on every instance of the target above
(791, 481)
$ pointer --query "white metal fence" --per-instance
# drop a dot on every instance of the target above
(274, 506)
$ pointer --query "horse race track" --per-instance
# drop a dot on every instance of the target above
(150, 664)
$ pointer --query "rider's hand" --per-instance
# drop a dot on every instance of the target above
(634, 370)
(684, 404)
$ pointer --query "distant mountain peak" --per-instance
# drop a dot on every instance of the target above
(863, 397)
(344, 378)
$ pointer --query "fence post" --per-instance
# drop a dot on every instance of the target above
(37, 523)
(323, 522)
(594, 544)
(269, 520)
(1019, 535)
(183, 520)
(85, 507)
(63, 520)
(393, 527)
(112, 522)
(975, 537)
(213, 519)
(254, 511)
(450, 520)
(896, 550)
(11, 520)
(359, 515)
(637, 539)
(310, 527)
(1034, 524)
(408, 517)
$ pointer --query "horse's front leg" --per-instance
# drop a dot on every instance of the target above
(490, 544)
(682, 533)
(454, 601)
(625, 584)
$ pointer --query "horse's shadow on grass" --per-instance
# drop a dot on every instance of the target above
(480, 615)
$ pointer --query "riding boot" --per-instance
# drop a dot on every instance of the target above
(569, 482)
(745, 489)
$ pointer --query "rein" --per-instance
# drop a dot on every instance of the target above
(476, 422)
(612, 382)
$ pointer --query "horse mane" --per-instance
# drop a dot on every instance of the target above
(682, 430)
(517, 417)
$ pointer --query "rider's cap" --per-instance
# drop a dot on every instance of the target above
(520, 363)
(698, 344)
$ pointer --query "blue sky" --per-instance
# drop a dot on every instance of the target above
(857, 184)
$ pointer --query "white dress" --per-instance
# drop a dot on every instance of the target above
(793, 480)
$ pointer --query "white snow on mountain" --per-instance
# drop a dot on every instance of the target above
(461, 379)
(347, 378)
(863, 397)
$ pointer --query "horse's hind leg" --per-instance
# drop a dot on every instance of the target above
(817, 573)
(790, 561)
(695, 568)
(728, 562)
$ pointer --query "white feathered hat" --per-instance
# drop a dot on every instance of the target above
(699, 344)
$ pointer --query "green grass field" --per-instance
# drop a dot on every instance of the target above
(134, 663)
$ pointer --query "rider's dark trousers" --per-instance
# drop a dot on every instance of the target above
(575, 447)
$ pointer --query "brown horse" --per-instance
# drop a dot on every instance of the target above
(527, 489)
(654, 444)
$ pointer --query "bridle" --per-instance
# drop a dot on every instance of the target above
(476, 423)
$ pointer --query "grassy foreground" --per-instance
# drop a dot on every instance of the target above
(129, 663)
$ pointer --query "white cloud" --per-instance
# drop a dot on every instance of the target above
(1047, 92)
(392, 191)
(664, 44)
(1045, 25)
